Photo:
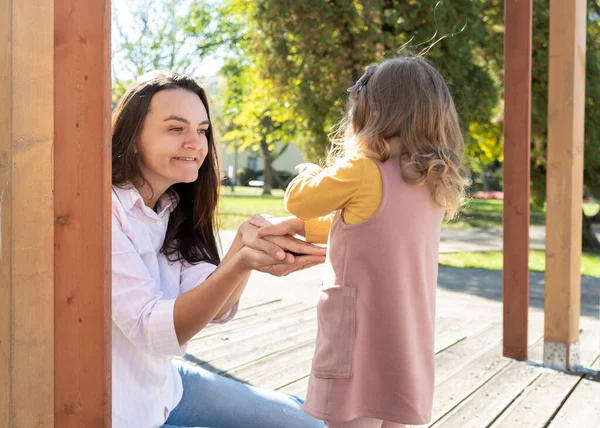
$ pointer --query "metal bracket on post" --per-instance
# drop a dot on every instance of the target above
(559, 356)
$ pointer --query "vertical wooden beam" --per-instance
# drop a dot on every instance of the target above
(82, 180)
(26, 205)
(564, 185)
(517, 131)
(5, 210)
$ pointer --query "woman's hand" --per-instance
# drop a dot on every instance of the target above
(258, 260)
(281, 246)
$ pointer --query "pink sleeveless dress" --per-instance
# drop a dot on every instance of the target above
(374, 353)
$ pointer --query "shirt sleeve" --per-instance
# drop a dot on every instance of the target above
(314, 194)
(317, 229)
(194, 275)
(139, 308)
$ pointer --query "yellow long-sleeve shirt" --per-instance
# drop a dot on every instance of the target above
(352, 185)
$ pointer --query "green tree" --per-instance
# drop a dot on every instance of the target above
(316, 49)
(256, 119)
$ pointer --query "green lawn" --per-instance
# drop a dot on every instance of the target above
(590, 263)
(237, 207)
(488, 213)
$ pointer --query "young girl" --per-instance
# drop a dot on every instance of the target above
(391, 183)
(168, 280)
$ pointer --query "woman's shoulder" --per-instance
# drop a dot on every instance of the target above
(124, 195)
(116, 201)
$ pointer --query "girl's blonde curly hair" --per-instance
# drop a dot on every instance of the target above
(403, 107)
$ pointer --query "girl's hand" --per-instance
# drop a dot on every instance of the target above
(247, 232)
(258, 260)
(300, 168)
(270, 226)
(281, 248)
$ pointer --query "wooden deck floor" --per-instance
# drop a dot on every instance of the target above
(271, 342)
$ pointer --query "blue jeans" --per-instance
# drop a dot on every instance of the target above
(210, 400)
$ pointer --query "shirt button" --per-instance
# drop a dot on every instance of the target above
(159, 222)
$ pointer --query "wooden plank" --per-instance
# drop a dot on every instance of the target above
(482, 407)
(252, 304)
(272, 363)
(280, 311)
(249, 317)
(566, 105)
(517, 130)
(82, 183)
(5, 210)
(463, 353)
(540, 401)
(253, 349)
(299, 321)
(248, 339)
(456, 388)
(454, 332)
(582, 408)
(286, 375)
(31, 314)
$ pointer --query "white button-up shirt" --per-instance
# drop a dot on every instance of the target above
(145, 284)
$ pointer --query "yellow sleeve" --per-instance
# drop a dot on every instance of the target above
(315, 194)
(353, 184)
(317, 229)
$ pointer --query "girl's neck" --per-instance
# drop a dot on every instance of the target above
(395, 148)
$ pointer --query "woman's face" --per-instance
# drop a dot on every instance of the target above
(173, 142)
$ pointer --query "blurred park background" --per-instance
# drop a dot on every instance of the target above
(277, 72)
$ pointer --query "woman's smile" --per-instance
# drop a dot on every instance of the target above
(186, 159)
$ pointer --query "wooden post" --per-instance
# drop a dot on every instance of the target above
(517, 127)
(82, 180)
(26, 214)
(5, 211)
(564, 185)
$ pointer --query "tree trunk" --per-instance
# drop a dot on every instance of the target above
(589, 242)
(268, 168)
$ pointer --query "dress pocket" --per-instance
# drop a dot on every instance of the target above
(336, 330)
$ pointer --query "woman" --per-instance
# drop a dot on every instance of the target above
(168, 279)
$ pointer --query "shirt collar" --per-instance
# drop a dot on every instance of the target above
(130, 197)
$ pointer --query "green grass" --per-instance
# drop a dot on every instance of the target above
(590, 263)
(237, 207)
(488, 213)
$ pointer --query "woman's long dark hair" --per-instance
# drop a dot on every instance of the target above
(192, 225)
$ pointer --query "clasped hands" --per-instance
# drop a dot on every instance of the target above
(270, 246)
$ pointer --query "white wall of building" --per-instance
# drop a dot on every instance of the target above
(231, 161)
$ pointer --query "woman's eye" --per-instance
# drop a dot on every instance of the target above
(202, 131)
(177, 129)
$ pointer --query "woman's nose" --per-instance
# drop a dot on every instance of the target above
(194, 141)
